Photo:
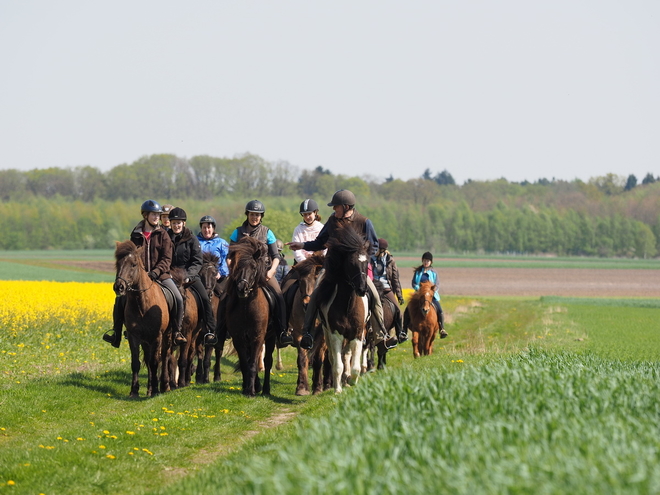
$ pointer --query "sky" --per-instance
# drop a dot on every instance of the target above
(517, 89)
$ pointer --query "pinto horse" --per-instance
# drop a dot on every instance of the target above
(423, 320)
(146, 317)
(247, 313)
(305, 273)
(343, 305)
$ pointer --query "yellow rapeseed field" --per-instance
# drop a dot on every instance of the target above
(46, 327)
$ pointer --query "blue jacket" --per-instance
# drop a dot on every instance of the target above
(421, 275)
(219, 247)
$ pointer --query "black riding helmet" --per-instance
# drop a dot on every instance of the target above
(206, 219)
(342, 197)
(308, 206)
(177, 213)
(255, 206)
(151, 206)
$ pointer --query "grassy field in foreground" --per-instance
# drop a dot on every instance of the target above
(524, 396)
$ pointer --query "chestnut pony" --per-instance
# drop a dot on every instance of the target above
(343, 305)
(146, 317)
(246, 313)
(423, 320)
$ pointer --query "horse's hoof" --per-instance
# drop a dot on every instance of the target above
(302, 391)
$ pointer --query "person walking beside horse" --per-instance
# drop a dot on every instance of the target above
(345, 214)
(157, 260)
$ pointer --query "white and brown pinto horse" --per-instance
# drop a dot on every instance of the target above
(342, 303)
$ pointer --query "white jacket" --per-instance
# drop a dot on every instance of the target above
(304, 233)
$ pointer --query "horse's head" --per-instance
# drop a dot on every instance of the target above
(208, 273)
(348, 257)
(426, 292)
(130, 267)
(308, 271)
(248, 265)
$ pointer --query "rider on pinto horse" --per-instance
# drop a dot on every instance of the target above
(343, 204)
(157, 260)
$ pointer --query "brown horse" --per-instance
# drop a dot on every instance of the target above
(246, 313)
(423, 320)
(146, 317)
(305, 273)
(208, 274)
(191, 329)
(343, 304)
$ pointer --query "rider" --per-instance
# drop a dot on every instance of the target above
(157, 260)
(164, 216)
(308, 229)
(283, 268)
(386, 272)
(211, 242)
(343, 204)
(253, 227)
(187, 254)
(425, 273)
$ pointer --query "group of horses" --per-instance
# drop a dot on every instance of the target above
(342, 351)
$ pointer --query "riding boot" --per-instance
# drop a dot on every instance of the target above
(406, 321)
(441, 318)
(309, 328)
(375, 305)
(285, 338)
(401, 334)
(118, 322)
(209, 338)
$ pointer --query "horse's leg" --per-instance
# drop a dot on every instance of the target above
(279, 366)
(183, 362)
(355, 354)
(268, 363)
(258, 363)
(415, 341)
(135, 366)
(302, 387)
(152, 377)
(335, 343)
(165, 362)
(382, 356)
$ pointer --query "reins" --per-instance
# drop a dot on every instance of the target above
(129, 286)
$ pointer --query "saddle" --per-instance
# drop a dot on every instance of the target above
(169, 297)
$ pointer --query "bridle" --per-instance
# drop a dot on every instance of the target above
(129, 286)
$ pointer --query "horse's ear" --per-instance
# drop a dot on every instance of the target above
(433, 288)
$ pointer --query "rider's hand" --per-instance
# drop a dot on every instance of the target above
(401, 301)
(295, 246)
(153, 276)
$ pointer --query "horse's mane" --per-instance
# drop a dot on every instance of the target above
(418, 295)
(212, 258)
(308, 265)
(178, 275)
(246, 248)
(379, 287)
(346, 241)
(125, 248)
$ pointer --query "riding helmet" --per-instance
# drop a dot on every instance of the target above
(178, 214)
(382, 244)
(308, 206)
(279, 244)
(207, 219)
(151, 206)
(166, 209)
(255, 206)
(342, 197)
(427, 256)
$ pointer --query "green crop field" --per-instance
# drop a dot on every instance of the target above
(550, 395)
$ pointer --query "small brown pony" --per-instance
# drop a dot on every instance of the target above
(208, 274)
(246, 313)
(305, 273)
(379, 350)
(146, 317)
(423, 320)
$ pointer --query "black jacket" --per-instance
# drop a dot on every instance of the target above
(186, 253)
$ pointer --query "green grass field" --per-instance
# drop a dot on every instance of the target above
(558, 395)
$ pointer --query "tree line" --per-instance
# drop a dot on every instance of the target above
(85, 208)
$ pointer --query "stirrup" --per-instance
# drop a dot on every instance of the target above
(210, 339)
(179, 339)
(390, 339)
(285, 339)
(307, 341)
(402, 337)
(112, 339)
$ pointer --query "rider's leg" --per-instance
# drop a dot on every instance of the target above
(280, 314)
(117, 322)
(178, 336)
(441, 318)
(398, 324)
(376, 313)
(209, 337)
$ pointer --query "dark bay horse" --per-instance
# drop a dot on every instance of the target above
(208, 275)
(305, 273)
(423, 320)
(343, 305)
(246, 313)
(146, 317)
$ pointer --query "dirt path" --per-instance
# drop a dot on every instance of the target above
(544, 282)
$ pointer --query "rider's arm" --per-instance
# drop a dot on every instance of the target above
(370, 233)
(318, 244)
(195, 259)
